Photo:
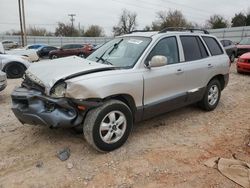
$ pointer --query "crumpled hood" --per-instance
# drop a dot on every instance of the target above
(47, 73)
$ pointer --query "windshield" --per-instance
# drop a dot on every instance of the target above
(121, 52)
(245, 41)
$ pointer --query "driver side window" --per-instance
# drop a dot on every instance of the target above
(166, 47)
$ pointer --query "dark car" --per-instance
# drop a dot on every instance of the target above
(243, 46)
(81, 50)
(230, 48)
(44, 51)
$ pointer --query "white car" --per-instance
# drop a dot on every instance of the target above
(13, 65)
(3, 81)
(31, 54)
(8, 44)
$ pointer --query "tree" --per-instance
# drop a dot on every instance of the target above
(248, 19)
(65, 30)
(217, 21)
(36, 31)
(94, 31)
(126, 24)
(170, 19)
(239, 20)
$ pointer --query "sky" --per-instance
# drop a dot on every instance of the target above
(47, 13)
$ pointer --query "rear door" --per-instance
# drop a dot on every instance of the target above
(164, 87)
(197, 66)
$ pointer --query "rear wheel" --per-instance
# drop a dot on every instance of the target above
(107, 127)
(53, 57)
(212, 95)
(81, 55)
(14, 70)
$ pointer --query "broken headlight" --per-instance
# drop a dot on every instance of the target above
(59, 90)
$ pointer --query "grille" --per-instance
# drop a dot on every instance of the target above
(29, 84)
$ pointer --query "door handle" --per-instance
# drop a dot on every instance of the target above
(210, 65)
(179, 71)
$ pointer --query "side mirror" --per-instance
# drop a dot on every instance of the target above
(158, 61)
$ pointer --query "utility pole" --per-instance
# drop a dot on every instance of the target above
(72, 19)
(21, 22)
(24, 25)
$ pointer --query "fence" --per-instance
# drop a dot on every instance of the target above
(56, 41)
(235, 34)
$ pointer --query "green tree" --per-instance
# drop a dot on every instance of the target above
(248, 19)
(94, 31)
(217, 21)
(239, 20)
(127, 23)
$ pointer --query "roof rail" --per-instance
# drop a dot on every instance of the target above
(183, 29)
(135, 31)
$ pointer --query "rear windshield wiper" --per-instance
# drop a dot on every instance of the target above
(105, 60)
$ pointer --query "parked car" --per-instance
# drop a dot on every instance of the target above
(68, 50)
(34, 46)
(8, 44)
(29, 53)
(243, 63)
(230, 48)
(3, 81)
(129, 79)
(44, 51)
(13, 65)
(243, 46)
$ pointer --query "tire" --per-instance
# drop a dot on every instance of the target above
(110, 136)
(81, 55)
(232, 57)
(212, 95)
(14, 70)
(53, 57)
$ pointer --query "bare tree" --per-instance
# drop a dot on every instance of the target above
(66, 30)
(94, 31)
(171, 18)
(127, 23)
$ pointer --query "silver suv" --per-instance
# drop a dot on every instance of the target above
(129, 79)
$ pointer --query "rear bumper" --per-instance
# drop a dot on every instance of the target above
(31, 107)
(243, 67)
(226, 80)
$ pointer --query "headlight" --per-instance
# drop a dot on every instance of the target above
(59, 90)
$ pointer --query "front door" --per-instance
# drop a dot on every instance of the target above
(164, 87)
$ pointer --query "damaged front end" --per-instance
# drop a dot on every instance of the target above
(32, 106)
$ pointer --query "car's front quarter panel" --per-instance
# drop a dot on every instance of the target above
(106, 84)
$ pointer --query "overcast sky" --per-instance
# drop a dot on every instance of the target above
(46, 13)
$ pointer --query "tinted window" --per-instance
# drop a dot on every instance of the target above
(193, 48)
(68, 46)
(213, 46)
(166, 47)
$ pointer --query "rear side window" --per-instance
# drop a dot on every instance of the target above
(213, 46)
(193, 48)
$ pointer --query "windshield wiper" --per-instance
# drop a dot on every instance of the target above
(105, 60)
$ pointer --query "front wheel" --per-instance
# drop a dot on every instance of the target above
(212, 95)
(14, 70)
(107, 127)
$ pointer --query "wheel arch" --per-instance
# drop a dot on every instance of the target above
(127, 99)
(14, 62)
(220, 78)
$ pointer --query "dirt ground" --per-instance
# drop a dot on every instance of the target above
(167, 151)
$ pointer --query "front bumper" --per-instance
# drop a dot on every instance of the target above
(243, 67)
(32, 107)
